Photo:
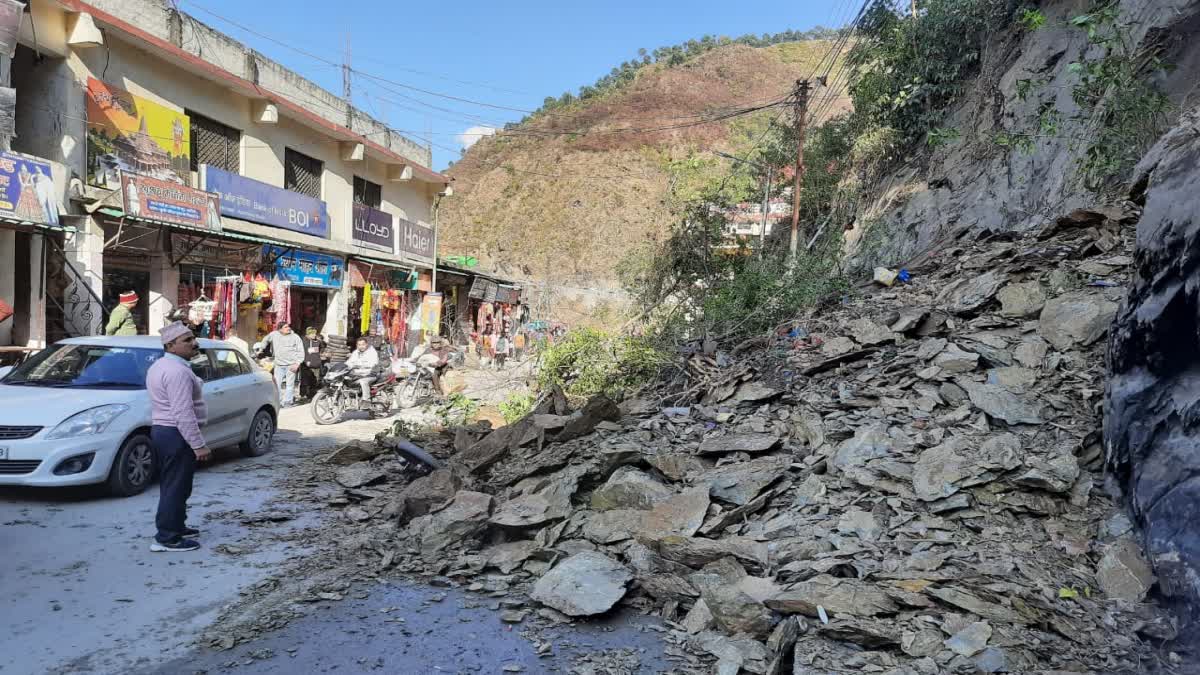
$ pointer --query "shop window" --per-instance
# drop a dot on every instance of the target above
(215, 144)
(302, 173)
(368, 193)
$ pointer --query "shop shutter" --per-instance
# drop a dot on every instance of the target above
(214, 144)
(302, 173)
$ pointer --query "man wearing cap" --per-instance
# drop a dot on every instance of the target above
(287, 352)
(439, 348)
(121, 321)
(310, 374)
(177, 411)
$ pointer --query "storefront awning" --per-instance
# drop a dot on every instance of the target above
(383, 263)
(226, 234)
(29, 226)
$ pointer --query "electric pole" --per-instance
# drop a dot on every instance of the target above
(346, 90)
(801, 106)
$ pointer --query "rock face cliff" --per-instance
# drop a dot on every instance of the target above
(1152, 420)
(1018, 136)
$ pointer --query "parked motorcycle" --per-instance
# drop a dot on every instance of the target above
(417, 383)
(341, 393)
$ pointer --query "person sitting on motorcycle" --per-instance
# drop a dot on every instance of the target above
(362, 363)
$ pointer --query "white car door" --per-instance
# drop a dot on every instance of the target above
(222, 408)
(239, 389)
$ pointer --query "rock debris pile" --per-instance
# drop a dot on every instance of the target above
(905, 483)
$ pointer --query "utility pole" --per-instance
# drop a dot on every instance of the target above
(801, 112)
(346, 89)
(766, 204)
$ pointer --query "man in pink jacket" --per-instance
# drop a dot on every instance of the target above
(177, 413)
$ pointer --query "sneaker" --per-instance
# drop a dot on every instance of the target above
(180, 545)
(191, 532)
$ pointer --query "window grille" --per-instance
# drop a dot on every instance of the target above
(302, 173)
(214, 144)
(368, 193)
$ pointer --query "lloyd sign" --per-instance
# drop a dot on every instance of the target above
(415, 239)
(374, 228)
(247, 199)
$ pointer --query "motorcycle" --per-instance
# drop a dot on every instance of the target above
(340, 393)
(417, 385)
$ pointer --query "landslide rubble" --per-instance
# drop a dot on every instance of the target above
(908, 481)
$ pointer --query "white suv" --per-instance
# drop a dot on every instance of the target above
(78, 412)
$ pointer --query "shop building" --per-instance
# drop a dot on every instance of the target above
(212, 180)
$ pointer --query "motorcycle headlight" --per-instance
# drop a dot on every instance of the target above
(91, 421)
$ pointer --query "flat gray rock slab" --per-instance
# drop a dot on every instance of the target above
(584, 584)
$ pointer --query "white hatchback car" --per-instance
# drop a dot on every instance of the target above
(78, 412)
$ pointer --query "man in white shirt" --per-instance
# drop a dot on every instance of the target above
(362, 363)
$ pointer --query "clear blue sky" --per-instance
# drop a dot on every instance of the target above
(512, 54)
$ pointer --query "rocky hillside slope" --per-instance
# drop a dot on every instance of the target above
(1018, 136)
(1022, 140)
(565, 196)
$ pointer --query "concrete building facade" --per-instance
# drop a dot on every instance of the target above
(296, 143)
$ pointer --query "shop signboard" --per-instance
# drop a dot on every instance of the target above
(305, 268)
(373, 228)
(131, 133)
(258, 202)
(27, 189)
(415, 239)
(148, 198)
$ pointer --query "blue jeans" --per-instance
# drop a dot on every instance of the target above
(285, 379)
(176, 466)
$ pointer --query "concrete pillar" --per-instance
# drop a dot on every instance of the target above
(164, 291)
(35, 331)
(84, 252)
(335, 315)
(8, 270)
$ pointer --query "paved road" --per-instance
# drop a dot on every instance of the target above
(417, 629)
(79, 590)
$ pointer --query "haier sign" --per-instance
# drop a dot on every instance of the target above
(415, 239)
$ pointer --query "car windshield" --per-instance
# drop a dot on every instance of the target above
(85, 366)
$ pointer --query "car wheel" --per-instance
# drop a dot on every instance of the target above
(258, 439)
(133, 468)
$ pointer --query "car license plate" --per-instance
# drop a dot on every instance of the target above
(3, 453)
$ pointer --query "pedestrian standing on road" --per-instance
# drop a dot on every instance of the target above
(177, 411)
(501, 350)
(287, 350)
(310, 374)
(121, 321)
